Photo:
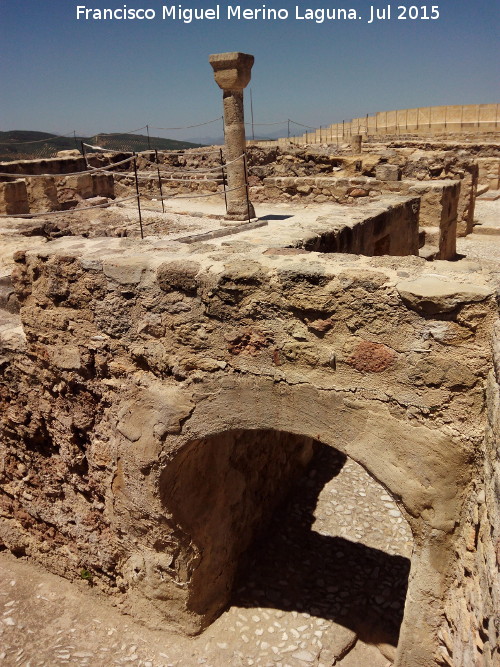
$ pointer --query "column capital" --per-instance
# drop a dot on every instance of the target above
(232, 71)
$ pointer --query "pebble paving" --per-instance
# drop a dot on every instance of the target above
(324, 585)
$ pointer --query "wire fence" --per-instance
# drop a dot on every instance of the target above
(30, 145)
(217, 176)
(433, 120)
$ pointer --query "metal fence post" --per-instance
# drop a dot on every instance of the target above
(159, 181)
(138, 195)
(223, 177)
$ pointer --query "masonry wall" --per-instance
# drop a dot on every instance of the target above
(438, 204)
(55, 191)
(14, 197)
(489, 173)
(441, 120)
(132, 355)
(470, 633)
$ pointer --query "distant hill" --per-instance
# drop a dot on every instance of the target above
(26, 144)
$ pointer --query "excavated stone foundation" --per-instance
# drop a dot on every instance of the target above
(159, 398)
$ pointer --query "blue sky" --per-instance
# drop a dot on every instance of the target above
(59, 74)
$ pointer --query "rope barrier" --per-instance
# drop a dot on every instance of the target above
(187, 127)
(152, 150)
(92, 170)
(69, 211)
(106, 170)
(115, 202)
(182, 171)
(284, 122)
(211, 194)
(188, 171)
(111, 134)
(166, 180)
(179, 152)
(98, 148)
(301, 125)
(195, 171)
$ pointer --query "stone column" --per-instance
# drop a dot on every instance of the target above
(232, 73)
(356, 144)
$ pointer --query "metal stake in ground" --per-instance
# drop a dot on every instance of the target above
(159, 181)
(138, 195)
(246, 187)
(251, 113)
(223, 177)
(232, 73)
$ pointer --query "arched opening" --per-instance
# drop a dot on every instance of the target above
(280, 525)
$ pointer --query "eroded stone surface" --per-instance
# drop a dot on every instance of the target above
(434, 294)
(242, 341)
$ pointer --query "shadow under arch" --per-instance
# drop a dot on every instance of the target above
(328, 576)
(229, 491)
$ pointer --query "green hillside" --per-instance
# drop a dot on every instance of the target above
(25, 144)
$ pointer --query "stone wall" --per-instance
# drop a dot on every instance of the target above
(440, 120)
(438, 201)
(146, 361)
(489, 173)
(14, 197)
(222, 492)
(470, 633)
(54, 192)
(414, 164)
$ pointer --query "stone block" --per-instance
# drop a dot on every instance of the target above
(42, 194)
(14, 197)
(388, 172)
(103, 185)
(232, 71)
(432, 295)
(8, 299)
(81, 184)
(69, 153)
(356, 144)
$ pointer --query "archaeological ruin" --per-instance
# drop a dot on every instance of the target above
(162, 396)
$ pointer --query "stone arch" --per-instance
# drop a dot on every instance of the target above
(423, 469)
(223, 491)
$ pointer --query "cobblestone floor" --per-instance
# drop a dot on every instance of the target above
(327, 580)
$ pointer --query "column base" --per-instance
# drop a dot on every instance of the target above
(242, 214)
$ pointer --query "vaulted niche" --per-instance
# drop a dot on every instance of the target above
(271, 519)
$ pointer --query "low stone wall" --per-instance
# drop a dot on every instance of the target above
(53, 166)
(150, 188)
(438, 207)
(415, 165)
(51, 193)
